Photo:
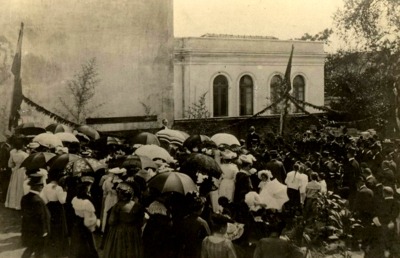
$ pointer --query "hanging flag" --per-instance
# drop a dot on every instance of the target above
(17, 91)
(287, 84)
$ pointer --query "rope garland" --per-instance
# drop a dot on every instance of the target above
(46, 112)
(252, 117)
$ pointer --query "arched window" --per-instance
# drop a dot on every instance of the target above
(276, 89)
(220, 90)
(246, 95)
(298, 91)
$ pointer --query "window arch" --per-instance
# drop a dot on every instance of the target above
(276, 90)
(299, 91)
(220, 91)
(246, 95)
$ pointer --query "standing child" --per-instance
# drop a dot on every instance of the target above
(217, 245)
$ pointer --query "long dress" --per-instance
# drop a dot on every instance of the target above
(227, 186)
(82, 241)
(15, 188)
(54, 197)
(110, 199)
(124, 238)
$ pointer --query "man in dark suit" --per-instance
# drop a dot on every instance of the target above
(364, 203)
(369, 179)
(35, 219)
(5, 171)
(351, 175)
(252, 139)
(276, 167)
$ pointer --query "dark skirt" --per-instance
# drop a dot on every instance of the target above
(294, 197)
(57, 244)
(124, 241)
(82, 242)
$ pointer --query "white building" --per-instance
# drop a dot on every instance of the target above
(240, 74)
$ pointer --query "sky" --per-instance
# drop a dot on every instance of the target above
(284, 19)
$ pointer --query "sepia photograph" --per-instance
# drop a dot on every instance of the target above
(199, 128)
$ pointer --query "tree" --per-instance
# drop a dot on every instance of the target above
(320, 36)
(198, 109)
(82, 89)
(372, 29)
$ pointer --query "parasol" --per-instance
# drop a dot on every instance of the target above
(172, 182)
(196, 141)
(67, 137)
(201, 163)
(225, 138)
(37, 160)
(84, 166)
(58, 163)
(145, 138)
(92, 133)
(48, 140)
(141, 162)
(274, 195)
(58, 128)
(29, 129)
(114, 141)
(154, 152)
(172, 136)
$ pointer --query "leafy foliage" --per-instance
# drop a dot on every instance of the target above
(82, 90)
(332, 227)
(198, 109)
(320, 36)
(148, 111)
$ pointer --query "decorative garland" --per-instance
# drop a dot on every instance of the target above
(253, 116)
(321, 108)
(46, 112)
(360, 120)
(295, 102)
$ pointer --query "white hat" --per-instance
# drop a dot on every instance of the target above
(117, 170)
(267, 173)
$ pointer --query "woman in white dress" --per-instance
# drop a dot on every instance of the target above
(110, 193)
(227, 185)
(16, 186)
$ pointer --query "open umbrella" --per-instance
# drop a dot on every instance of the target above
(37, 160)
(274, 195)
(48, 139)
(154, 152)
(145, 138)
(141, 162)
(225, 138)
(196, 141)
(92, 133)
(83, 166)
(29, 129)
(172, 182)
(114, 141)
(58, 128)
(58, 163)
(172, 136)
(67, 137)
(198, 162)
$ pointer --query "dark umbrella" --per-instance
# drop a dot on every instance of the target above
(58, 128)
(92, 133)
(172, 182)
(29, 129)
(202, 163)
(141, 162)
(37, 160)
(145, 138)
(58, 163)
(83, 166)
(196, 141)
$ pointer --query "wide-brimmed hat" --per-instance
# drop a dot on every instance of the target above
(228, 154)
(117, 171)
(267, 173)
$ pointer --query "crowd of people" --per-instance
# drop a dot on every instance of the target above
(265, 185)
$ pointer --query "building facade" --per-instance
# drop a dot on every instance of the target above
(241, 75)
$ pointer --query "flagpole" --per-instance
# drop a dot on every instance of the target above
(17, 95)
(286, 87)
